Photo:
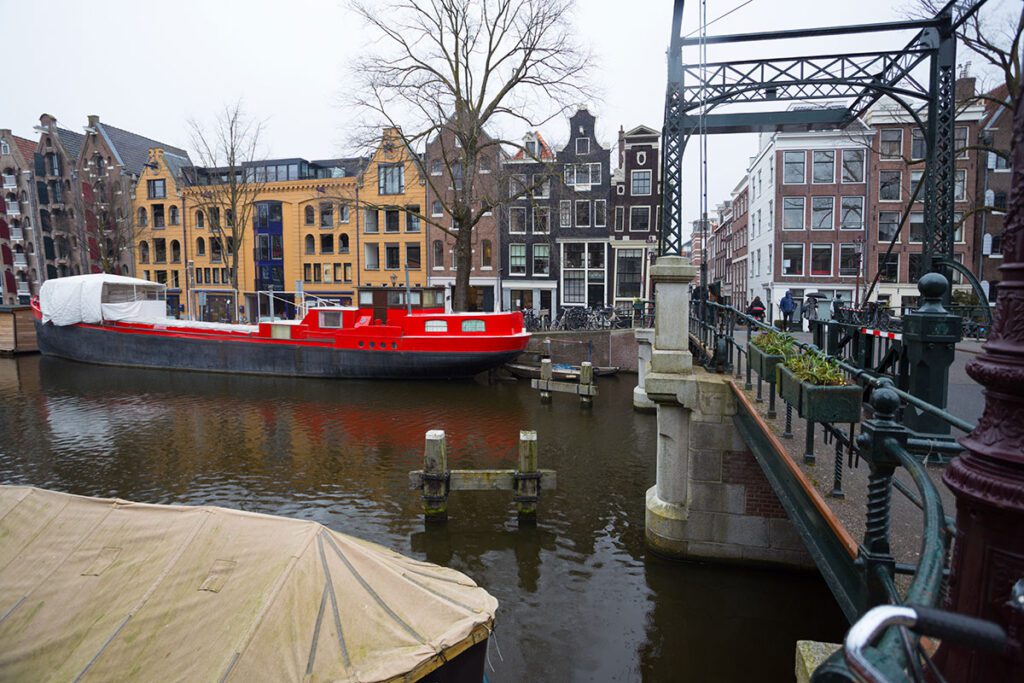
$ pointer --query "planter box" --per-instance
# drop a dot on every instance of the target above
(764, 364)
(821, 403)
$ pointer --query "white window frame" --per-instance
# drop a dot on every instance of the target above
(544, 186)
(803, 259)
(565, 213)
(862, 221)
(586, 203)
(878, 226)
(525, 262)
(650, 182)
(863, 167)
(645, 208)
(436, 214)
(910, 227)
(899, 185)
(803, 214)
(641, 158)
(881, 155)
(803, 177)
(511, 223)
(832, 177)
(547, 229)
(604, 212)
(831, 262)
(583, 151)
(967, 141)
(960, 186)
(620, 219)
(533, 257)
(832, 211)
(849, 247)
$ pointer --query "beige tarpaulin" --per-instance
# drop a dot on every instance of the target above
(94, 589)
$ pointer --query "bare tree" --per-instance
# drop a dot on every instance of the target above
(111, 219)
(227, 188)
(454, 71)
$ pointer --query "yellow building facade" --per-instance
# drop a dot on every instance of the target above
(316, 229)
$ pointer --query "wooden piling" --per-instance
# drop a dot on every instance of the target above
(545, 376)
(527, 479)
(435, 477)
(586, 380)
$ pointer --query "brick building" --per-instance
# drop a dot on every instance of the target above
(636, 212)
(993, 190)
(19, 220)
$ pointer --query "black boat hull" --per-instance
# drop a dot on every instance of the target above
(107, 347)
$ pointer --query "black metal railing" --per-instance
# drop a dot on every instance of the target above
(722, 338)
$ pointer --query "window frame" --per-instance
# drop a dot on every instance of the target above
(644, 208)
(803, 213)
(843, 166)
(814, 167)
(585, 203)
(899, 184)
(832, 211)
(511, 269)
(803, 166)
(584, 151)
(819, 246)
(842, 209)
(803, 254)
(642, 172)
(882, 144)
(511, 223)
(860, 265)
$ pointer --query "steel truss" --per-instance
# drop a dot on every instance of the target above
(694, 91)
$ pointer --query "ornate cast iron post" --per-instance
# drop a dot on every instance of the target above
(988, 479)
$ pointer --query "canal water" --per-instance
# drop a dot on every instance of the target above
(580, 599)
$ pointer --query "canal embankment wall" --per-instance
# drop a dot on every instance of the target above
(601, 347)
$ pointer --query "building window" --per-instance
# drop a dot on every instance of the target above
(641, 183)
(541, 186)
(541, 259)
(438, 255)
(620, 218)
(792, 259)
(310, 244)
(390, 178)
(174, 215)
(160, 251)
(143, 217)
(960, 186)
(821, 259)
(486, 255)
(583, 145)
(517, 220)
(435, 167)
(849, 259)
(628, 273)
(824, 167)
(370, 222)
(888, 222)
(600, 213)
(565, 213)
(915, 179)
(888, 267)
(918, 146)
(917, 227)
(200, 246)
(175, 251)
(853, 166)
(436, 209)
(890, 186)
(412, 255)
(144, 253)
(960, 141)
(517, 259)
(792, 213)
(392, 256)
(641, 158)
(516, 186)
(326, 215)
(392, 220)
(343, 213)
(326, 244)
(200, 219)
(310, 215)
(371, 256)
(582, 213)
(412, 218)
(914, 270)
(541, 220)
(157, 189)
(822, 213)
(793, 171)
(639, 218)
(483, 165)
(891, 143)
(158, 216)
(851, 213)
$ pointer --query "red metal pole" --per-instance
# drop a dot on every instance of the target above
(988, 479)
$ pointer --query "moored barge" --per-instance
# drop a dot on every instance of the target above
(114, 320)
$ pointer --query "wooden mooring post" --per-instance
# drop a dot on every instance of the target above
(585, 388)
(436, 481)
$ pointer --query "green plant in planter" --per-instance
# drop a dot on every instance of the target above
(768, 349)
(818, 388)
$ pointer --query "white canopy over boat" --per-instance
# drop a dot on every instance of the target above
(106, 589)
(98, 297)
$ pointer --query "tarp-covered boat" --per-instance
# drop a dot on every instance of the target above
(114, 320)
(104, 589)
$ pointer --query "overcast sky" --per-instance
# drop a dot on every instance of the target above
(149, 67)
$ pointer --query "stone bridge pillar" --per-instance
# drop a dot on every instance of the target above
(710, 500)
(644, 342)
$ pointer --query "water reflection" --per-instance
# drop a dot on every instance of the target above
(579, 598)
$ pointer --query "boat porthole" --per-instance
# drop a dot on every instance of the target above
(394, 345)
(362, 343)
(373, 345)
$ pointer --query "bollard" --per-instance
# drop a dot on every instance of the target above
(809, 444)
(545, 376)
(547, 347)
(435, 477)
(586, 380)
(527, 479)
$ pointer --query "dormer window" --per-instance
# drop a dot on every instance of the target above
(583, 145)
(531, 148)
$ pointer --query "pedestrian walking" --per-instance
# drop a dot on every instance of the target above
(788, 307)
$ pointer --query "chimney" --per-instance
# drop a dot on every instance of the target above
(622, 147)
(965, 88)
(93, 120)
(46, 121)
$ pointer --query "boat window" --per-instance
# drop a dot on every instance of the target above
(437, 326)
(330, 318)
(366, 298)
(472, 325)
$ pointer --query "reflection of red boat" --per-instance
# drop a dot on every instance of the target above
(114, 320)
